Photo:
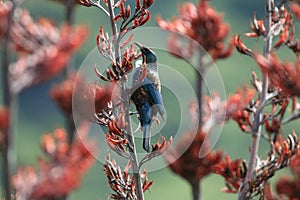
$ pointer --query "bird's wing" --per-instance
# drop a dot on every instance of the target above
(154, 96)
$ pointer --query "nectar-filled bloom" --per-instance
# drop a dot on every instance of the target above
(5, 8)
(236, 108)
(283, 151)
(190, 165)
(288, 186)
(121, 182)
(62, 94)
(117, 70)
(4, 124)
(86, 3)
(88, 99)
(43, 50)
(284, 76)
(147, 3)
(99, 96)
(60, 172)
(241, 47)
(4, 118)
(258, 28)
(233, 173)
(296, 10)
(295, 164)
(204, 25)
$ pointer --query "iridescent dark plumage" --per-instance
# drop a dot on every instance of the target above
(146, 94)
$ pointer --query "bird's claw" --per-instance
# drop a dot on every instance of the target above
(155, 119)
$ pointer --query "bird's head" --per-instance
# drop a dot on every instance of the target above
(147, 53)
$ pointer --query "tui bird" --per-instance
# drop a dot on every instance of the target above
(146, 94)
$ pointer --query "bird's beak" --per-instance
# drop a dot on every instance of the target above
(139, 45)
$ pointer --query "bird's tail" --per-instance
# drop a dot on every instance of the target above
(146, 138)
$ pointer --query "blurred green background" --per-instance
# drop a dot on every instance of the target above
(38, 114)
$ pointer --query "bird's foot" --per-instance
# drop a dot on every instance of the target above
(155, 119)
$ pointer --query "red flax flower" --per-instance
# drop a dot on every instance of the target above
(117, 70)
(62, 94)
(86, 3)
(189, 165)
(43, 50)
(290, 187)
(115, 137)
(241, 47)
(89, 99)
(5, 8)
(60, 173)
(203, 24)
(296, 10)
(121, 182)
(258, 28)
(283, 152)
(282, 75)
(158, 149)
(4, 118)
(4, 123)
(236, 108)
(233, 173)
(98, 98)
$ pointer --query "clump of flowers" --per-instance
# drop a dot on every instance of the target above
(90, 99)
(59, 172)
(233, 173)
(235, 108)
(287, 186)
(43, 50)
(201, 23)
(121, 182)
(282, 75)
(186, 162)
